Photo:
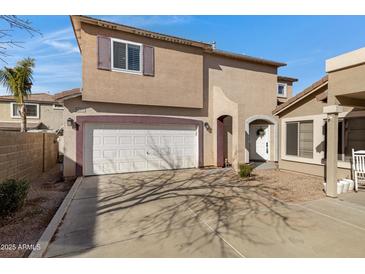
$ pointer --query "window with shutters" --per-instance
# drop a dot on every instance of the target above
(299, 139)
(126, 56)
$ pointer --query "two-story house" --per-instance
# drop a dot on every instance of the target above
(44, 113)
(151, 101)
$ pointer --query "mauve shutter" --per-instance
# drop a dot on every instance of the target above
(104, 54)
(148, 60)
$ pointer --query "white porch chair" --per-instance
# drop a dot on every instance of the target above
(358, 167)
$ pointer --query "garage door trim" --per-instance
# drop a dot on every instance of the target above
(127, 119)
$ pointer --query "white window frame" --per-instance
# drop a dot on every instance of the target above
(57, 107)
(285, 90)
(27, 104)
(126, 70)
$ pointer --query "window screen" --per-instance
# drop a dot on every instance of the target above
(299, 139)
(31, 110)
(119, 55)
(134, 57)
(306, 139)
(355, 132)
(292, 139)
(281, 89)
(126, 56)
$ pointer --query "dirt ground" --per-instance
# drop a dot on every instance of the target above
(289, 186)
(27, 225)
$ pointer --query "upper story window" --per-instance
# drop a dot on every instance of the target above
(32, 110)
(281, 91)
(126, 56)
(58, 106)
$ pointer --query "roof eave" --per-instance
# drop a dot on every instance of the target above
(248, 58)
(137, 31)
(300, 96)
(287, 79)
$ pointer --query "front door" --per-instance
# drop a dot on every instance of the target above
(259, 142)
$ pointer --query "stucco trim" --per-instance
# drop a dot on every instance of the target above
(269, 119)
(128, 119)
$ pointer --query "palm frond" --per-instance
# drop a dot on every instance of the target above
(19, 80)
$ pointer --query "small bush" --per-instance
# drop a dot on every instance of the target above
(245, 170)
(12, 195)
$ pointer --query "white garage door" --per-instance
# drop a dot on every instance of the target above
(118, 148)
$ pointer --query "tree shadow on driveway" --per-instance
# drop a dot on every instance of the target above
(224, 207)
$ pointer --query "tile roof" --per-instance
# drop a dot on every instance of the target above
(67, 93)
(248, 58)
(34, 97)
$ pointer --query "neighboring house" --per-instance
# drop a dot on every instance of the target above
(151, 101)
(321, 125)
(285, 88)
(43, 113)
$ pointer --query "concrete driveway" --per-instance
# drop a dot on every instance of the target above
(203, 213)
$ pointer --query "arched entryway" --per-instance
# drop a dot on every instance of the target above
(261, 138)
(224, 141)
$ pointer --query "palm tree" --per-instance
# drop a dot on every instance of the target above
(18, 82)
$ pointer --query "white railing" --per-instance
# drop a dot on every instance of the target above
(358, 167)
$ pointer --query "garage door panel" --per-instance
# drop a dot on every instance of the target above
(140, 140)
(153, 140)
(127, 148)
(125, 140)
(125, 154)
(139, 165)
(178, 140)
(110, 140)
(124, 167)
(189, 161)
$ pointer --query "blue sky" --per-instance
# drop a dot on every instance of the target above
(303, 42)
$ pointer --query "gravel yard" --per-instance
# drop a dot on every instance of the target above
(23, 229)
(289, 186)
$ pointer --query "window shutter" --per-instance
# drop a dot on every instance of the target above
(148, 60)
(104, 53)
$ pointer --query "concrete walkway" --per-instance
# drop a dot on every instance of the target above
(203, 213)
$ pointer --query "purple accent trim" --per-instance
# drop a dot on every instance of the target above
(127, 119)
(220, 143)
(148, 60)
(104, 53)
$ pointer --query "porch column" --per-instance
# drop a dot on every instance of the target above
(332, 148)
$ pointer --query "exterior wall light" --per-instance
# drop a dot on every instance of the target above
(70, 122)
(207, 126)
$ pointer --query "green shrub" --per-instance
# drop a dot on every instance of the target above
(12, 195)
(245, 170)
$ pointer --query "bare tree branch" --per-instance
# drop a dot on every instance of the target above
(13, 23)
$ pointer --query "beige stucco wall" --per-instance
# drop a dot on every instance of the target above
(310, 108)
(289, 88)
(307, 106)
(312, 169)
(178, 79)
(348, 82)
(238, 88)
(230, 87)
(76, 107)
(50, 117)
